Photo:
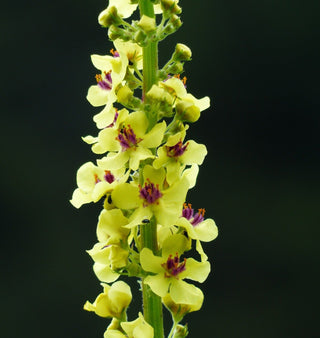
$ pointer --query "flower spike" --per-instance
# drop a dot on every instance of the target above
(141, 176)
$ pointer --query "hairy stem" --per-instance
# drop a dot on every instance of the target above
(152, 306)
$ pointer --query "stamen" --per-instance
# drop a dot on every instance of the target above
(96, 178)
(198, 218)
(115, 53)
(127, 138)
(173, 267)
(177, 150)
(108, 176)
(105, 83)
(188, 213)
(150, 193)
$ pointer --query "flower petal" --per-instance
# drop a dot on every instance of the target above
(104, 273)
(154, 137)
(137, 155)
(195, 270)
(158, 284)
(183, 292)
(195, 153)
(175, 243)
(79, 198)
(126, 196)
(150, 262)
(97, 96)
(207, 230)
(114, 161)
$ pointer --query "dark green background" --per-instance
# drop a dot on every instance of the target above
(258, 61)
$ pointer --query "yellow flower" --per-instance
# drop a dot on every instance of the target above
(94, 182)
(111, 252)
(128, 141)
(125, 8)
(111, 227)
(169, 271)
(175, 155)
(198, 228)
(113, 69)
(185, 102)
(108, 258)
(131, 50)
(180, 310)
(112, 302)
(196, 225)
(106, 117)
(137, 328)
(154, 197)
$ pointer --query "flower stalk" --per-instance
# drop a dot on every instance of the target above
(152, 305)
(146, 228)
(150, 52)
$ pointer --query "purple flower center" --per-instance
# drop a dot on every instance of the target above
(150, 193)
(177, 150)
(173, 267)
(127, 138)
(108, 176)
(106, 82)
(188, 213)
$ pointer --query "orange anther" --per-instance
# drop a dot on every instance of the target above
(98, 77)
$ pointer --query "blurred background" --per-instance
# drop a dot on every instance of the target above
(258, 61)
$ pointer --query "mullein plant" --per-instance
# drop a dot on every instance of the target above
(146, 229)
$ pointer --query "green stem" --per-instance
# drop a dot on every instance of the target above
(150, 52)
(150, 65)
(174, 325)
(152, 305)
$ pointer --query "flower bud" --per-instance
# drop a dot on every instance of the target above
(182, 53)
(118, 257)
(159, 94)
(187, 111)
(115, 33)
(112, 302)
(140, 37)
(126, 98)
(162, 74)
(124, 95)
(109, 17)
(173, 24)
(170, 6)
(181, 331)
(175, 68)
(175, 21)
(180, 310)
(147, 24)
